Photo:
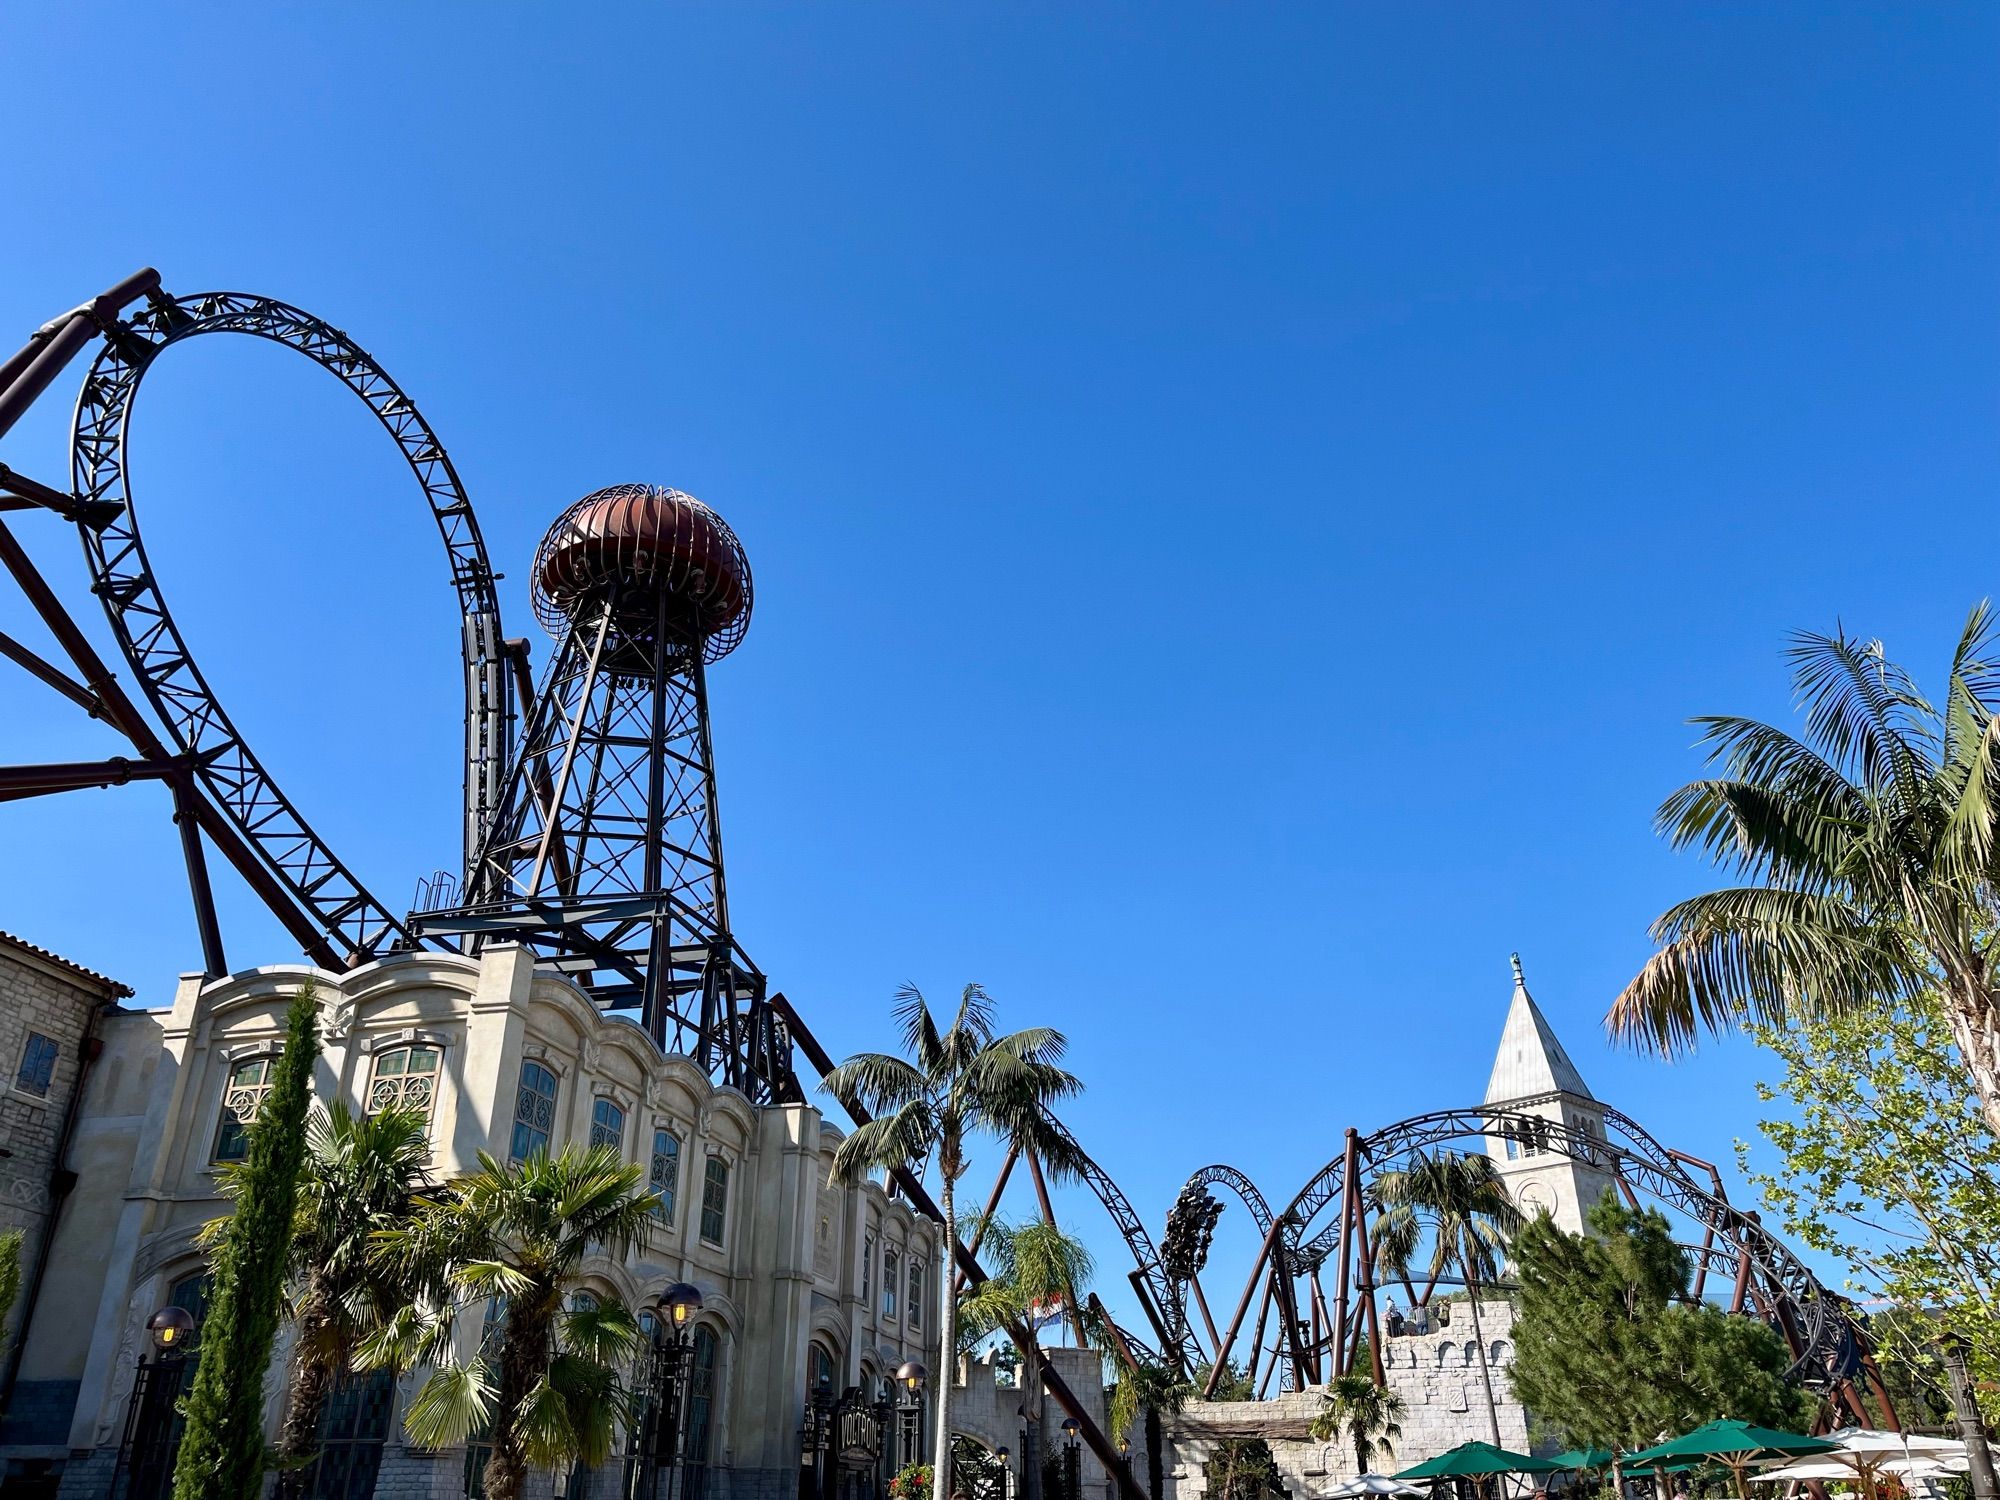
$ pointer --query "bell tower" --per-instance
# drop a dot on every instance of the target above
(1548, 1134)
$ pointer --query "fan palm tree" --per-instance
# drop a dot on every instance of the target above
(1370, 1414)
(1035, 1265)
(508, 1243)
(361, 1174)
(1463, 1203)
(1869, 850)
(958, 1082)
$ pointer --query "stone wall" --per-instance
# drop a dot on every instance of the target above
(1437, 1375)
(40, 996)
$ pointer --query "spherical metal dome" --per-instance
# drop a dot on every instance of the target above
(637, 544)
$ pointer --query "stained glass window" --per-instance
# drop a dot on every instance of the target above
(714, 1199)
(244, 1094)
(534, 1112)
(665, 1179)
(406, 1078)
(607, 1125)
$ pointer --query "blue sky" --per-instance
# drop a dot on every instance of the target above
(1243, 499)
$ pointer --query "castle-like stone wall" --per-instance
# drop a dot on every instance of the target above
(1438, 1376)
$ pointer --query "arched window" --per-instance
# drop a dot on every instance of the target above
(701, 1394)
(607, 1125)
(915, 1301)
(1500, 1353)
(665, 1180)
(190, 1294)
(891, 1267)
(1444, 1354)
(1470, 1357)
(820, 1377)
(534, 1112)
(405, 1078)
(867, 1268)
(249, 1084)
(714, 1199)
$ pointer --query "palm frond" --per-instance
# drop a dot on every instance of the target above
(1865, 710)
(1756, 954)
(452, 1404)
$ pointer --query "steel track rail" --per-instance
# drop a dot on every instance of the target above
(358, 925)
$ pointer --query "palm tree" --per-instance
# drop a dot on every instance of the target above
(361, 1174)
(508, 1243)
(1034, 1265)
(1870, 852)
(1464, 1202)
(956, 1084)
(1371, 1415)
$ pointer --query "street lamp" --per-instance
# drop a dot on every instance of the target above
(171, 1327)
(677, 1304)
(910, 1417)
(1072, 1461)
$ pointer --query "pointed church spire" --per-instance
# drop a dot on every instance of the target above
(1531, 1061)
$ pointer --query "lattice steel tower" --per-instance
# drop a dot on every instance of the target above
(606, 850)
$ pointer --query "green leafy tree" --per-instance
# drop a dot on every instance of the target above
(1609, 1354)
(1870, 854)
(957, 1083)
(1461, 1205)
(1886, 1162)
(222, 1453)
(508, 1243)
(1034, 1264)
(11, 1241)
(1370, 1415)
(1145, 1393)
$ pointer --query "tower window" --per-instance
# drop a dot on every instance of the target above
(916, 1298)
(891, 1265)
(534, 1112)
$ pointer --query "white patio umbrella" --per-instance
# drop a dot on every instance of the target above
(1374, 1484)
(1872, 1440)
(1832, 1466)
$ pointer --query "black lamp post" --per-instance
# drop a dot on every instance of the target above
(146, 1453)
(1006, 1474)
(910, 1410)
(678, 1305)
(1072, 1469)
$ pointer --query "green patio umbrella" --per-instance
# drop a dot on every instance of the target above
(1478, 1461)
(1734, 1445)
(1583, 1458)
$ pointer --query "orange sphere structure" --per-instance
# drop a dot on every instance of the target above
(638, 546)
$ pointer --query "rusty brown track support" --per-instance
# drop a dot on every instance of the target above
(1207, 1317)
(1350, 1173)
(123, 715)
(1087, 1428)
(992, 1208)
(1242, 1308)
(1049, 1218)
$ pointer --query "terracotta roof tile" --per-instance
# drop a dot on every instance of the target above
(122, 991)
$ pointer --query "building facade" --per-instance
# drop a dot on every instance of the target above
(49, 1019)
(808, 1288)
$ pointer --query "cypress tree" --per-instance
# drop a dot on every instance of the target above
(222, 1453)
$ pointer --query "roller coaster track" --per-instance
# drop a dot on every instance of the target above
(357, 925)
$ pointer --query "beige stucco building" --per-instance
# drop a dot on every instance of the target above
(801, 1280)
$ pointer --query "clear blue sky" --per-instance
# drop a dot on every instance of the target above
(1243, 499)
